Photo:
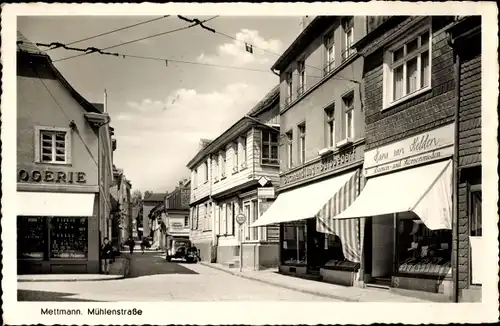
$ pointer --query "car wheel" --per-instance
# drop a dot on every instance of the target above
(169, 259)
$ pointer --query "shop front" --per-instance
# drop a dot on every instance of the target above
(407, 207)
(311, 246)
(57, 233)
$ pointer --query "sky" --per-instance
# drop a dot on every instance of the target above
(160, 110)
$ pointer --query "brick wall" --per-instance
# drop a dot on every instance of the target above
(418, 114)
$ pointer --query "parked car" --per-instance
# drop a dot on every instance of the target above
(181, 249)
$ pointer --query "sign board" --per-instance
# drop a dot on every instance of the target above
(47, 176)
(266, 192)
(263, 181)
(241, 218)
(426, 147)
(327, 164)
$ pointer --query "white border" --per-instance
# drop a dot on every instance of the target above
(256, 312)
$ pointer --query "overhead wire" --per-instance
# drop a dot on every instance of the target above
(114, 31)
(142, 38)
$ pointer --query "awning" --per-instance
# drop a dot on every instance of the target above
(55, 204)
(424, 190)
(303, 202)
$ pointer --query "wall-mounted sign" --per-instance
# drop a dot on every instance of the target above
(426, 147)
(37, 176)
(326, 165)
(177, 226)
(266, 192)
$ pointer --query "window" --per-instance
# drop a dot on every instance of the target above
(223, 164)
(244, 151)
(421, 250)
(289, 87)
(289, 137)
(186, 221)
(205, 174)
(197, 218)
(215, 168)
(301, 68)
(195, 178)
(235, 157)
(293, 246)
(270, 147)
(248, 229)
(53, 145)
(33, 232)
(349, 115)
(302, 150)
(476, 223)
(68, 237)
(330, 53)
(330, 123)
(409, 67)
(348, 25)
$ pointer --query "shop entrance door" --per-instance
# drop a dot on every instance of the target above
(382, 248)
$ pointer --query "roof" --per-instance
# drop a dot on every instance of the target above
(155, 197)
(27, 47)
(317, 26)
(99, 106)
(264, 104)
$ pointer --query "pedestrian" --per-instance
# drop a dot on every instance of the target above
(131, 244)
(144, 243)
(106, 253)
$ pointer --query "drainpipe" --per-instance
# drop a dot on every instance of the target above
(455, 176)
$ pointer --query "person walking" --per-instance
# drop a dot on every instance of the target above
(131, 244)
(144, 243)
(106, 253)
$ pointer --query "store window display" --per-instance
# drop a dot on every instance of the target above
(421, 250)
(293, 246)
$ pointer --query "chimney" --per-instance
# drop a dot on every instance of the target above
(105, 101)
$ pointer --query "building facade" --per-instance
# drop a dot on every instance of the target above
(62, 170)
(149, 202)
(236, 174)
(406, 203)
(177, 212)
(322, 144)
(122, 208)
(465, 38)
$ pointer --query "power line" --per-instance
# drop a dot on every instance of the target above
(112, 31)
(142, 38)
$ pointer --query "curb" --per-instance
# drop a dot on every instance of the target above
(321, 294)
(118, 277)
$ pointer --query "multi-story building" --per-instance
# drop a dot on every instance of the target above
(406, 202)
(149, 202)
(321, 149)
(236, 174)
(64, 162)
(465, 38)
(122, 212)
(177, 212)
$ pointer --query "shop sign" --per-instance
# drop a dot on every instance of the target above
(177, 226)
(37, 176)
(267, 192)
(325, 165)
(426, 147)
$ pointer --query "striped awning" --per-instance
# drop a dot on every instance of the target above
(350, 231)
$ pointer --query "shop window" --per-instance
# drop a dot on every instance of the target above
(270, 148)
(476, 222)
(68, 237)
(421, 250)
(53, 145)
(293, 245)
(31, 237)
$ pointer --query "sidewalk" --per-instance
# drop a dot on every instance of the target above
(117, 270)
(337, 292)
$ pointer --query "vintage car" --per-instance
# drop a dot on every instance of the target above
(182, 249)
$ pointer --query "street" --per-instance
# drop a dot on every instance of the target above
(152, 278)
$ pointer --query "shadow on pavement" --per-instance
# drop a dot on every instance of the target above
(154, 263)
(31, 295)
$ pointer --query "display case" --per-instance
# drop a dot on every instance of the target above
(31, 237)
(68, 237)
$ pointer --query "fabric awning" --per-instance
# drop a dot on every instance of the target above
(424, 190)
(55, 204)
(303, 202)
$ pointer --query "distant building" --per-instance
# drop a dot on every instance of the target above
(64, 170)
(122, 208)
(149, 202)
(236, 173)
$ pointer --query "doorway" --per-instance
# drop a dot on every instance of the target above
(382, 249)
